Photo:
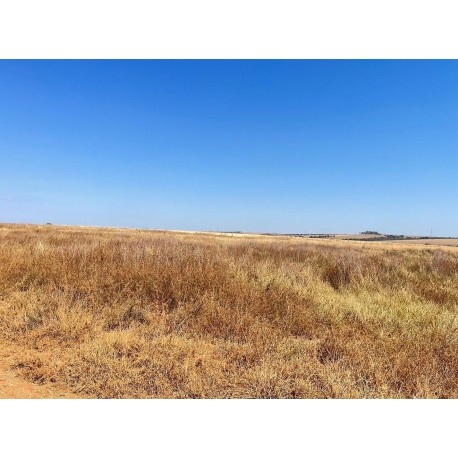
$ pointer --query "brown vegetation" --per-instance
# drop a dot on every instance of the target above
(125, 313)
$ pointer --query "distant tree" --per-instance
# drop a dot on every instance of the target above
(370, 233)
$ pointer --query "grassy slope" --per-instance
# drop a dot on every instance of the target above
(125, 313)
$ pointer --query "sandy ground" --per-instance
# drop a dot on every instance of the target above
(12, 386)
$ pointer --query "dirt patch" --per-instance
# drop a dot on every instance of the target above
(12, 386)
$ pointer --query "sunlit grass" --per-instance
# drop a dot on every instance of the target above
(126, 313)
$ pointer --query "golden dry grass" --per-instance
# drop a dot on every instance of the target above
(136, 314)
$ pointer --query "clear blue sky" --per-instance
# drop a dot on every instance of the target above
(271, 146)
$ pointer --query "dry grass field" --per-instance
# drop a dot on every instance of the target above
(452, 242)
(113, 313)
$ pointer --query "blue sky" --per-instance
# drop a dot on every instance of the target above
(269, 146)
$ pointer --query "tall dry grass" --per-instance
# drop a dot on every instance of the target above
(125, 313)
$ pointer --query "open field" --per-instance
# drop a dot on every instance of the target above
(453, 242)
(428, 242)
(422, 241)
(135, 314)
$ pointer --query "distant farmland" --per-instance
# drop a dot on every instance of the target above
(114, 313)
(415, 240)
